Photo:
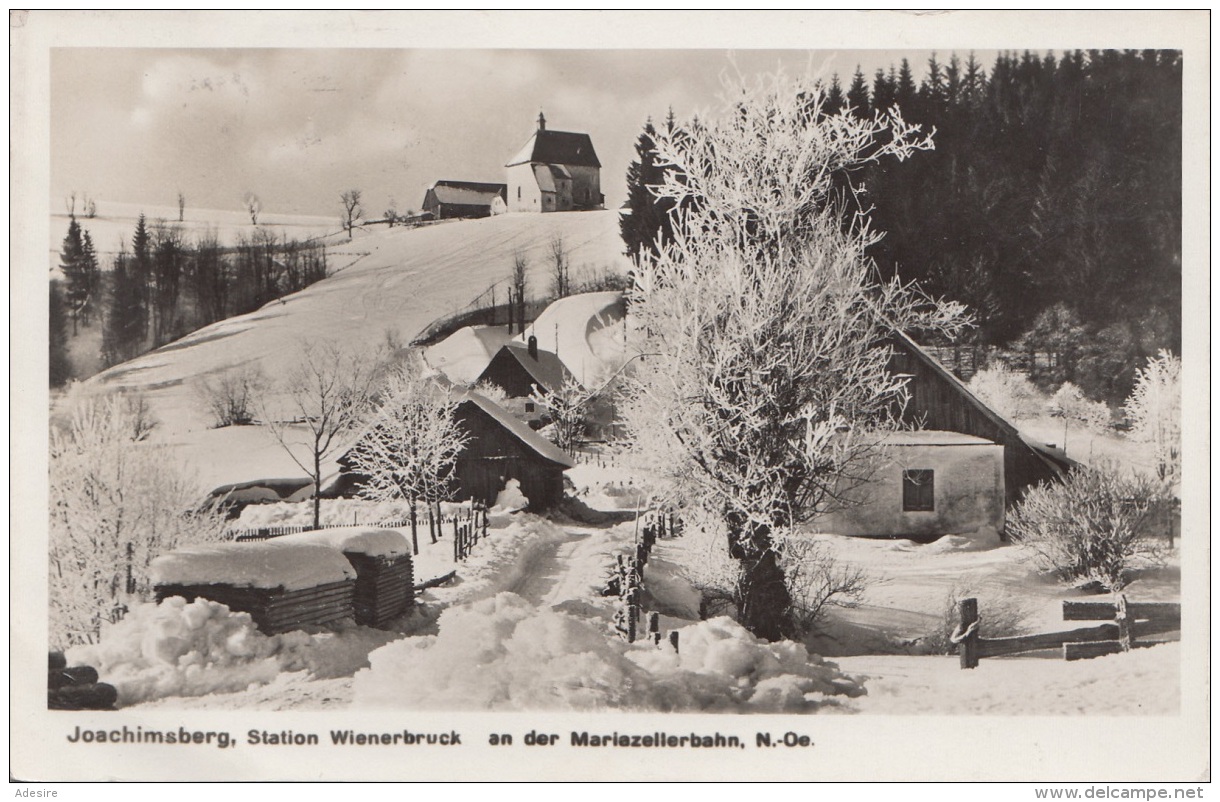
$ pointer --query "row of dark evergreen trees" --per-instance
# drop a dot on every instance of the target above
(1051, 204)
(167, 286)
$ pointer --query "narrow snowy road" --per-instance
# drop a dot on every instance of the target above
(570, 569)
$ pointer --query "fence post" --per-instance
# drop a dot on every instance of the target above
(673, 640)
(654, 628)
(968, 646)
(457, 541)
(1126, 628)
(484, 520)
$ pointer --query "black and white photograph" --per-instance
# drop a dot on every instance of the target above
(405, 395)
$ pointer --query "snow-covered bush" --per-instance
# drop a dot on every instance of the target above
(491, 391)
(116, 503)
(1005, 615)
(503, 653)
(1010, 394)
(1069, 403)
(231, 397)
(1155, 412)
(1094, 526)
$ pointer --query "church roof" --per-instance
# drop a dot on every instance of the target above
(557, 147)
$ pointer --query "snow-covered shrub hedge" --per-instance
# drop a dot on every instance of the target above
(1069, 402)
(1010, 394)
(117, 501)
(503, 653)
(1094, 526)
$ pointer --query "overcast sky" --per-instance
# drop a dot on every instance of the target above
(297, 127)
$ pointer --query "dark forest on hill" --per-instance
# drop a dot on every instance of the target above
(1051, 205)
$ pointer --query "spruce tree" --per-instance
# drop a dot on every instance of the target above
(59, 366)
(75, 270)
(648, 225)
(857, 95)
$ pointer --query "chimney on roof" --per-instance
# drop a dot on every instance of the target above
(541, 122)
(533, 347)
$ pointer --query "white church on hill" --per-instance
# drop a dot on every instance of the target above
(555, 171)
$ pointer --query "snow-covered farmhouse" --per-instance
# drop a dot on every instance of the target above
(520, 370)
(955, 472)
(555, 171)
(446, 200)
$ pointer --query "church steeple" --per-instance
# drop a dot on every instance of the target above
(541, 122)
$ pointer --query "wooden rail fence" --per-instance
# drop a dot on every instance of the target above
(627, 581)
(1125, 623)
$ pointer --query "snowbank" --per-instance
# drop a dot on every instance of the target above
(511, 497)
(269, 564)
(367, 540)
(1141, 682)
(180, 649)
(503, 653)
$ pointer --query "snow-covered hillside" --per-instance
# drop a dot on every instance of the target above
(396, 282)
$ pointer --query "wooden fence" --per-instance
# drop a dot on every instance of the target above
(1125, 622)
(468, 531)
(435, 520)
(627, 581)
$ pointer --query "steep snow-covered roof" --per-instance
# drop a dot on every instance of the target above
(272, 563)
(546, 370)
(468, 193)
(465, 354)
(549, 176)
(534, 441)
(557, 147)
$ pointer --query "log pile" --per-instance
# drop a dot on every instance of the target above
(76, 688)
(276, 610)
(384, 587)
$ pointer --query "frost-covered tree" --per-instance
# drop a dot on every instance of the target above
(410, 448)
(117, 501)
(1070, 403)
(323, 401)
(567, 407)
(1009, 393)
(1155, 412)
(763, 392)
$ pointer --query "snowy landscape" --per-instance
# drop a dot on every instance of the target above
(695, 454)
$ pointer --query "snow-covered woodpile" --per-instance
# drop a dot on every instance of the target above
(382, 561)
(312, 579)
(283, 585)
(384, 587)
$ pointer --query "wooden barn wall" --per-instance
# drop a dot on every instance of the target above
(495, 456)
(937, 403)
